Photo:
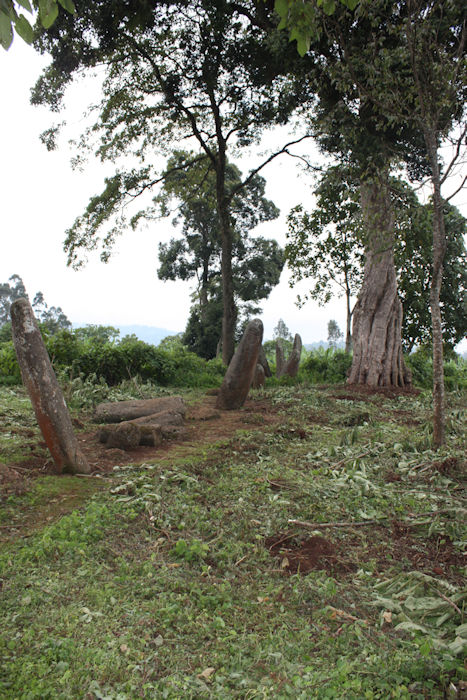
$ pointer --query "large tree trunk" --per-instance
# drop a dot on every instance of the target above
(348, 324)
(229, 317)
(439, 249)
(377, 316)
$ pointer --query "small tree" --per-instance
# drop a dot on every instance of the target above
(52, 319)
(326, 245)
(334, 334)
(281, 331)
(256, 262)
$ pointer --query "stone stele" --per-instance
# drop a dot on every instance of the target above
(44, 391)
(293, 363)
(241, 370)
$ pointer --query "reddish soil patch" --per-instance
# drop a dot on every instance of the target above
(204, 425)
(435, 556)
(305, 555)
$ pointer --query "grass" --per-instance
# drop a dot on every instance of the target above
(163, 585)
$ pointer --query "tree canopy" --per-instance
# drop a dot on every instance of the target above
(51, 318)
(172, 72)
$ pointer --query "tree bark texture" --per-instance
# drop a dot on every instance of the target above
(229, 317)
(439, 249)
(377, 316)
(44, 391)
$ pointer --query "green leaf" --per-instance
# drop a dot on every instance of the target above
(24, 29)
(281, 7)
(48, 12)
(68, 5)
(302, 46)
(7, 7)
(6, 32)
(26, 4)
(329, 7)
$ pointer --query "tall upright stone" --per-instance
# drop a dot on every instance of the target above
(291, 367)
(263, 361)
(241, 370)
(280, 359)
(44, 391)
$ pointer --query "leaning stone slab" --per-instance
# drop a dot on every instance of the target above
(240, 372)
(44, 391)
(130, 410)
(293, 363)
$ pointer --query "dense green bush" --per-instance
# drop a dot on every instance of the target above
(421, 365)
(114, 361)
(326, 366)
(9, 368)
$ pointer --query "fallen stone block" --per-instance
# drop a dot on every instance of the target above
(125, 436)
(120, 411)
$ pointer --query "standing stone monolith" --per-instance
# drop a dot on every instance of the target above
(241, 370)
(290, 369)
(263, 361)
(44, 391)
(280, 360)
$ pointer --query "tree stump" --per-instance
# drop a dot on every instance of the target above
(44, 391)
(241, 370)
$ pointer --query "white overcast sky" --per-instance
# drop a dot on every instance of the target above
(41, 196)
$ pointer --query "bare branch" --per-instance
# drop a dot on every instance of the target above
(255, 171)
(459, 145)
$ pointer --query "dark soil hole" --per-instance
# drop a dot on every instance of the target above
(305, 555)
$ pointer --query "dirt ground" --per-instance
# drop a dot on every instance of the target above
(204, 425)
(294, 551)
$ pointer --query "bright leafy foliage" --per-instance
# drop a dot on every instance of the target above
(12, 19)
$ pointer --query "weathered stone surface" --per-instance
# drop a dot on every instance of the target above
(130, 410)
(151, 435)
(259, 377)
(147, 430)
(44, 391)
(263, 361)
(173, 432)
(202, 413)
(161, 418)
(280, 360)
(240, 372)
(125, 436)
(293, 363)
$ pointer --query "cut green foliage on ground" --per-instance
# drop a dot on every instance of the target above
(318, 557)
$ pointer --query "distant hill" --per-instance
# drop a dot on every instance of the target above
(150, 334)
(323, 344)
